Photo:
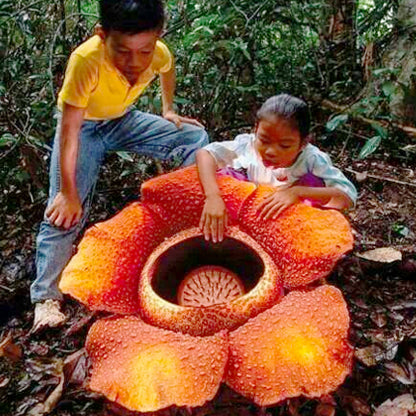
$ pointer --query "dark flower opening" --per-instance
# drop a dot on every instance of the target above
(174, 264)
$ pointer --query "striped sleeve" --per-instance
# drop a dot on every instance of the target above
(322, 167)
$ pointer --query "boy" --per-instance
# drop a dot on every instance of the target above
(104, 77)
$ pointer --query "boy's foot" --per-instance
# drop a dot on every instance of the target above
(48, 314)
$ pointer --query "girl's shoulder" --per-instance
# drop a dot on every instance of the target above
(245, 138)
(313, 153)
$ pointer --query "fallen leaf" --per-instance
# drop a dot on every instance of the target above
(10, 350)
(79, 324)
(387, 409)
(405, 401)
(370, 355)
(379, 318)
(50, 403)
(400, 406)
(358, 405)
(361, 176)
(325, 409)
(76, 367)
(400, 372)
(381, 255)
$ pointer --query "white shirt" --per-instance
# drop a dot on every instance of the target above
(240, 153)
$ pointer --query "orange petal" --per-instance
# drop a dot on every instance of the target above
(171, 263)
(305, 242)
(146, 369)
(178, 199)
(298, 347)
(104, 273)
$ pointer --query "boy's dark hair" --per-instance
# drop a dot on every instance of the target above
(132, 16)
(290, 108)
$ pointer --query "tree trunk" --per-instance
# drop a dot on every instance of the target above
(338, 40)
(401, 55)
(399, 59)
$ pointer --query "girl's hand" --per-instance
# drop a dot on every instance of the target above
(275, 204)
(214, 218)
(65, 211)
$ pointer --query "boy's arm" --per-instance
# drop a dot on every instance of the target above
(214, 215)
(66, 209)
(168, 83)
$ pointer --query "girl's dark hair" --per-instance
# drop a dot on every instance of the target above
(132, 16)
(292, 109)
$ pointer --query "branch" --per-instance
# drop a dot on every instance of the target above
(382, 178)
(411, 131)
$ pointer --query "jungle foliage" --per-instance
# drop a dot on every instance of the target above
(230, 55)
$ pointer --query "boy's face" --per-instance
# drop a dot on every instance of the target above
(277, 142)
(130, 54)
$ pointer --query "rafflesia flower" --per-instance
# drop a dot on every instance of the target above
(190, 314)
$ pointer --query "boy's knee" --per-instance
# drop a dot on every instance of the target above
(198, 134)
(205, 138)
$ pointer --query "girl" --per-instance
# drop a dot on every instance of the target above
(278, 154)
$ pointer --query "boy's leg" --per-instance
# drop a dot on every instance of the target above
(54, 244)
(151, 135)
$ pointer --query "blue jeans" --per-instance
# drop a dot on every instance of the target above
(137, 132)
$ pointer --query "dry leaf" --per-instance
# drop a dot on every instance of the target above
(381, 255)
(76, 367)
(379, 318)
(361, 176)
(50, 403)
(400, 406)
(325, 409)
(390, 410)
(370, 355)
(10, 350)
(402, 373)
(405, 401)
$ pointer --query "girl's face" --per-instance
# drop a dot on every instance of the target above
(277, 142)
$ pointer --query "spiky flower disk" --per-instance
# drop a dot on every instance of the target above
(298, 347)
(203, 321)
(146, 368)
(209, 285)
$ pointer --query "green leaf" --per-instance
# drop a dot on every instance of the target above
(385, 71)
(336, 121)
(125, 156)
(382, 132)
(371, 145)
(388, 88)
(400, 229)
(6, 139)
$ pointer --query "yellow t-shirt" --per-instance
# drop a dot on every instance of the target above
(94, 83)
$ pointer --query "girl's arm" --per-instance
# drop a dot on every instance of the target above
(214, 214)
(285, 196)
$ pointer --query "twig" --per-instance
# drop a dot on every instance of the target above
(382, 178)
(240, 11)
(411, 131)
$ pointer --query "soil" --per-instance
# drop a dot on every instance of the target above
(41, 370)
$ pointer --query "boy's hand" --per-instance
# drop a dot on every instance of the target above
(65, 211)
(178, 120)
(275, 204)
(214, 218)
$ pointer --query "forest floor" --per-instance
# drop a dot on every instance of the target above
(46, 372)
